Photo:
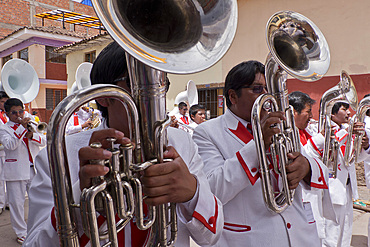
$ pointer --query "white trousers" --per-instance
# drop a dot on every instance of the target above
(340, 234)
(3, 197)
(17, 196)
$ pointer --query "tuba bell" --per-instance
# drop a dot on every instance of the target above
(344, 91)
(297, 47)
(158, 37)
(19, 80)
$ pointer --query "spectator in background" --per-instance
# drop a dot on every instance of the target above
(182, 116)
(197, 114)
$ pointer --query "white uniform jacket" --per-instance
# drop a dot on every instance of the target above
(231, 164)
(201, 217)
(19, 154)
(337, 187)
(318, 196)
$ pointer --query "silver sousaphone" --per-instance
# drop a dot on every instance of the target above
(158, 36)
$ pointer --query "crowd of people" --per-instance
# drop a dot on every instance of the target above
(214, 174)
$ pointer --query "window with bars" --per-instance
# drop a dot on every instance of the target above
(6, 59)
(53, 97)
(208, 97)
(90, 56)
(23, 54)
(54, 57)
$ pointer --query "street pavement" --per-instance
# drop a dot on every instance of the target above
(359, 235)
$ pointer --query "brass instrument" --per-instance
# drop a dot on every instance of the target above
(299, 48)
(363, 107)
(172, 36)
(35, 127)
(344, 91)
(95, 120)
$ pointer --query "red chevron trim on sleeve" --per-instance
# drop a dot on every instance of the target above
(323, 185)
(211, 221)
(252, 179)
(315, 147)
(236, 227)
(38, 141)
(342, 137)
(20, 136)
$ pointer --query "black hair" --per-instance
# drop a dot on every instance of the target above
(241, 75)
(182, 105)
(194, 110)
(300, 100)
(12, 102)
(109, 67)
(3, 95)
(337, 106)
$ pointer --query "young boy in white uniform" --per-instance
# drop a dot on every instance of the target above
(21, 147)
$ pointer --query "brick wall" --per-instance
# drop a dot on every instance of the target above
(17, 13)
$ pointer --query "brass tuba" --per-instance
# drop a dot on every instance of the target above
(344, 91)
(158, 37)
(299, 48)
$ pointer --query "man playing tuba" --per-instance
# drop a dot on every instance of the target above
(180, 181)
(233, 170)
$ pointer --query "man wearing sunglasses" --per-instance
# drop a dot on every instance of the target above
(231, 165)
(21, 146)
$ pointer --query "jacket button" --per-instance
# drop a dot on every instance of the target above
(211, 220)
(288, 225)
(254, 169)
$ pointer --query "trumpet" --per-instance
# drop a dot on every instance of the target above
(35, 127)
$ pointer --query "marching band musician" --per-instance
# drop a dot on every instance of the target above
(200, 213)
(21, 147)
(344, 187)
(232, 168)
(183, 116)
(367, 163)
(3, 119)
(76, 123)
(317, 195)
(197, 114)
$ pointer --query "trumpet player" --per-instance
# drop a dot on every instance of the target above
(200, 213)
(343, 187)
(21, 147)
(76, 123)
(229, 154)
(197, 114)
